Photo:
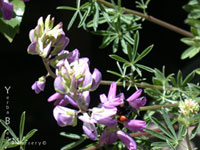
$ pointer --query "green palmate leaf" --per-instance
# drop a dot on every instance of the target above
(67, 8)
(9, 129)
(30, 134)
(73, 144)
(195, 131)
(118, 58)
(162, 127)
(9, 28)
(168, 123)
(71, 135)
(72, 20)
(190, 52)
(144, 53)
(145, 68)
(156, 134)
(21, 126)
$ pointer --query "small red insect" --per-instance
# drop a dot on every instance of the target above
(122, 118)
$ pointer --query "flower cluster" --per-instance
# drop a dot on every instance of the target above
(105, 114)
(45, 38)
(7, 9)
(73, 84)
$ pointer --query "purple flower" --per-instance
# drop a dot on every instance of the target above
(135, 125)
(104, 115)
(39, 85)
(135, 101)
(109, 136)
(65, 116)
(59, 99)
(7, 9)
(127, 140)
(96, 76)
(112, 100)
(89, 126)
(58, 85)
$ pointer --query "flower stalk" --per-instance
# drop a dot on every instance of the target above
(188, 140)
(50, 72)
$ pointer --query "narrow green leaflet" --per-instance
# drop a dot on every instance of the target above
(156, 134)
(190, 52)
(67, 8)
(159, 144)
(144, 53)
(29, 134)
(96, 17)
(188, 78)
(72, 20)
(73, 144)
(162, 127)
(83, 19)
(71, 135)
(145, 68)
(168, 123)
(181, 132)
(118, 58)
(9, 129)
(135, 46)
(21, 126)
(195, 131)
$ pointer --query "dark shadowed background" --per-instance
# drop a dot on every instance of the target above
(19, 70)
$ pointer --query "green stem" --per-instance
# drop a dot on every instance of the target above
(140, 85)
(151, 19)
(144, 108)
(46, 64)
(188, 140)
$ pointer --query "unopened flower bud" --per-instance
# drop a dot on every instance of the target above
(39, 85)
(188, 107)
